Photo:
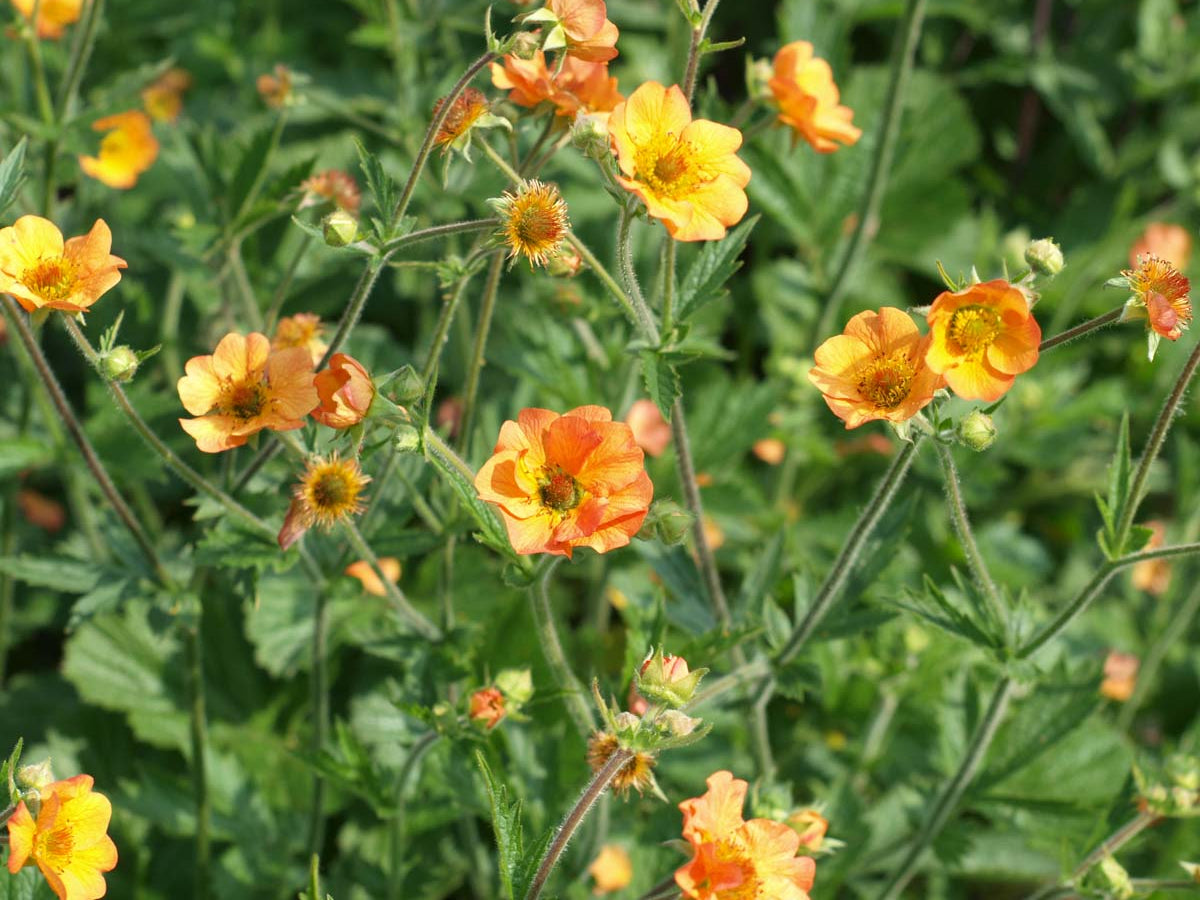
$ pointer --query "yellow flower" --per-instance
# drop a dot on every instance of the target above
(611, 870)
(807, 98)
(301, 330)
(533, 222)
(685, 170)
(53, 15)
(42, 271)
(128, 150)
(163, 99)
(68, 840)
(330, 491)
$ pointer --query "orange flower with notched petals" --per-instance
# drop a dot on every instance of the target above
(301, 330)
(567, 481)
(685, 170)
(612, 870)
(52, 16)
(580, 86)
(68, 840)
(875, 369)
(42, 271)
(335, 186)
(1161, 295)
(736, 859)
(163, 99)
(651, 431)
(388, 565)
(244, 387)
(128, 150)
(984, 336)
(346, 391)
(1170, 242)
(1120, 676)
(588, 32)
(807, 97)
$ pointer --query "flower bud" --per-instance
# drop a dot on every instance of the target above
(567, 263)
(525, 44)
(1045, 257)
(1116, 878)
(976, 430)
(34, 777)
(678, 723)
(346, 392)
(516, 685)
(340, 228)
(1184, 772)
(487, 707)
(667, 680)
(589, 135)
(119, 364)
(626, 721)
(759, 73)
(811, 826)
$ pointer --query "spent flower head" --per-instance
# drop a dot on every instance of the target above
(1161, 297)
(533, 222)
(329, 492)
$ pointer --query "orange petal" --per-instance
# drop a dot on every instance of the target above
(716, 813)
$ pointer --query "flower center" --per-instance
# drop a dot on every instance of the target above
(972, 329)
(244, 400)
(56, 845)
(332, 491)
(669, 166)
(559, 490)
(51, 279)
(886, 381)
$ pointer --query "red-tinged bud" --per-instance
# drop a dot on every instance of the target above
(487, 707)
(346, 391)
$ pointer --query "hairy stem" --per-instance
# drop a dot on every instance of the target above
(694, 54)
(320, 724)
(966, 537)
(1108, 847)
(1080, 330)
(573, 692)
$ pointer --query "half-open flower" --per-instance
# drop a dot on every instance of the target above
(579, 86)
(128, 150)
(580, 27)
(1166, 241)
(346, 390)
(984, 336)
(567, 481)
(42, 271)
(875, 369)
(244, 387)
(804, 91)
(685, 170)
(487, 707)
(651, 431)
(52, 15)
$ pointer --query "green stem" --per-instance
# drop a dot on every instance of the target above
(261, 176)
(1176, 628)
(751, 671)
(607, 280)
(396, 597)
(396, 827)
(526, 164)
(314, 878)
(966, 537)
(502, 164)
(642, 317)
(482, 329)
(81, 52)
(599, 783)
(1146, 885)
(437, 231)
(947, 801)
(198, 720)
(243, 288)
(442, 330)
(881, 164)
(573, 692)
(1059, 624)
(1108, 847)
(320, 714)
(668, 301)
(169, 333)
(289, 274)
(1080, 330)
(693, 63)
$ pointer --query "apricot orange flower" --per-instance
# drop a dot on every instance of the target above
(335, 186)
(128, 150)
(53, 15)
(984, 336)
(588, 32)
(562, 482)
(1120, 676)
(580, 86)
(1153, 575)
(301, 330)
(875, 369)
(1160, 295)
(807, 97)
(737, 859)
(68, 840)
(389, 565)
(244, 387)
(346, 391)
(685, 170)
(1169, 242)
(42, 271)
(163, 99)
(651, 431)
(811, 826)
(487, 707)
(612, 870)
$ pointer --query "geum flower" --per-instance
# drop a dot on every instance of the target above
(346, 391)
(804, 91)
(579, 86)
(128, 150)
(163, 99)
(42, 271)
(533, 222)
(562, 482)
(52, 15)
(329, 492)
(301, 330)
(580, 27)
(1161, 297)
(1166, 241)
(984, 336)
(686, 171)
(735, 859)
(336, 187)
(875, 369)
(244, 387)
(68, 840)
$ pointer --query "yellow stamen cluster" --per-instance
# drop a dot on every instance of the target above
(886, 381)
(533, 222)
(243, 399)
(51, 279)
(330, 491)
(972, 329)
(669, 167)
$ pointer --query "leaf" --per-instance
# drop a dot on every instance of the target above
(71, 576)
(251, 169)
(705, 280)
(380, 184)
(12, 174)
(18, 454)
(506, 823)
(492, 533)
(27, 884)
(8, 769)
(934, 607)
(662, 381)
(1112, 509)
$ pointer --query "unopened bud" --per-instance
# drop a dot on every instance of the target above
(1116, 878)
(667, 521)
(1184, 772)
(487, 707)
(680, 724)
(406, 439)
(1045, 257)
(758, 79)
(34, 777)
(119, 364)
(525, 44)
(976, 430)
(340, 228)
(627, 721)
(565, 264)
(668, 680)
(589, 135)
(811, 826)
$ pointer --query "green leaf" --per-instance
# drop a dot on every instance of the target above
(491, 533)
(1112, 510)
(71, 576)
(27, 884)
(380, 184)
(8, 770)
(251, 169)
(506, 822)
(12, 174)
(934, 607)
(662, 381)
(18, 454)
(705, 280)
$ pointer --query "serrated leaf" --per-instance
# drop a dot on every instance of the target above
(380, 185)
(1118, 489)
(12, 174)
(662, 381)
(506, 823)
(533, 859)
(251, 169)
(934, 607)
(798, 679)
(705, 280)
(1139, 538)
(71, 576)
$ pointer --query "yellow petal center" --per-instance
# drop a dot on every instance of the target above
(669, 166)
(51, 279)
(972, 330)
(886, 381)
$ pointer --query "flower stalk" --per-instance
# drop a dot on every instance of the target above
(1080, 330)
(573, 692)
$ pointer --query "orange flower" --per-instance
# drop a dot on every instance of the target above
(335, 186)
(41, 511)
(811, 826)
(588, 33)
(612, 870)
(807, 97)
(346, 391)
(533, 221)
(984, 336)
(275, 89)
(1169, 242)
(685, 170)
(128, 150)
(464, 111)
(1120, 676)
(68, 840)
(53, 15)
(329, 491)
(244, 387)
(561, 482)
(389, 565)
(875, 369)
(42, 271)
(1153, 575)
(736, 859)
(1160, 294)
(301, 330)
(487, 707)
(163, 99)
(580, 86)
(770, 450)
(651, 431)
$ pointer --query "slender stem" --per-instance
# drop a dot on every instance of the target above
(664, 889)
(435, 124)
(442, 330)
(396, 826)
(1108, 847)
(354, 308)
(575, 817)
(1158, 553)
(314, 877)
(198, 719)
(438, 231)
(751, 671)
(502, 164)
(641, 312)
(1059, 624)
(1176, 628)
(962, 527)
(475, 367)
(320, 715)
(694, 54)
(668, 301)
(436, 445)
(280, 295)
(952, 793)
(1145, 885)
(1080, 330)
(607, 280)
(81, 51)
(552, 649)
(407, 611)
(243, 288)
(169, 333)
(881, 164)
(1158, 435)
(526, 164)
(261, 176)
